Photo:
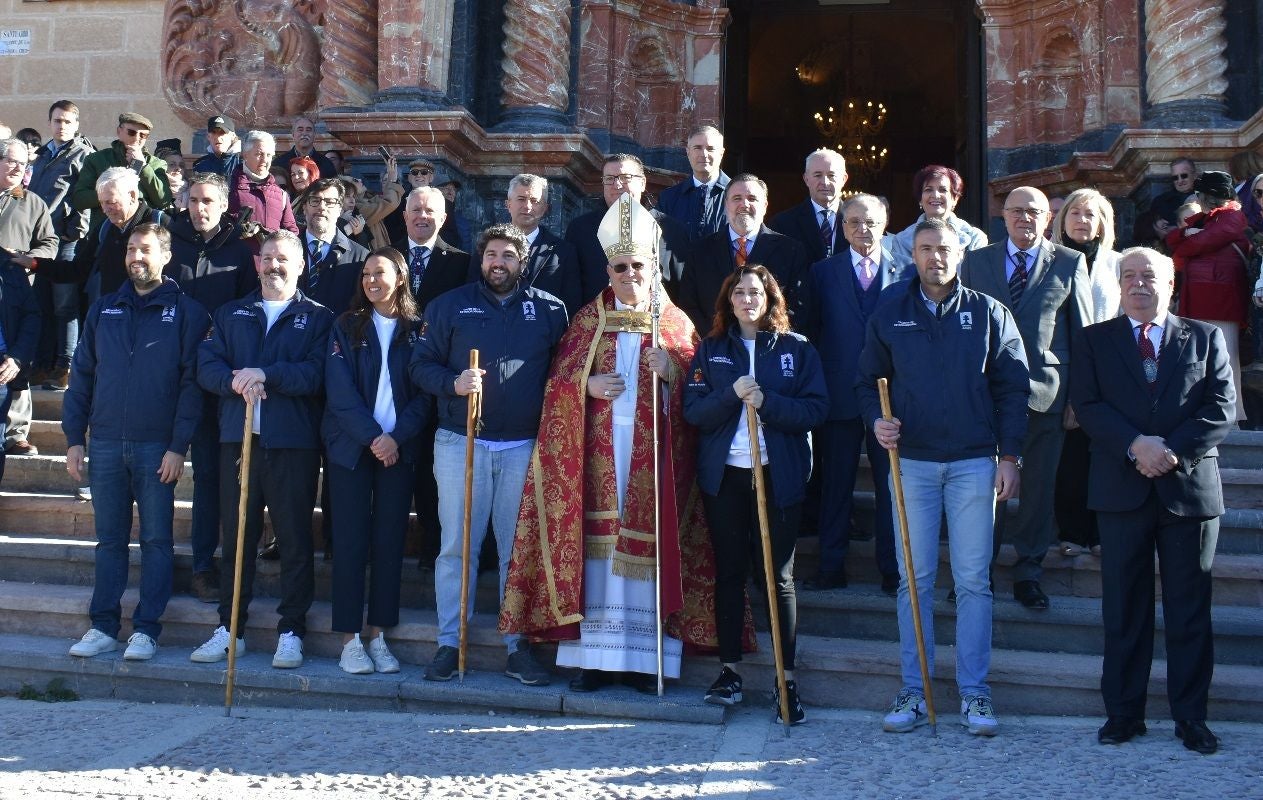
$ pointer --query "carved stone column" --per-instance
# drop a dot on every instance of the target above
(1186, 63)
(349, 67)
(536, 64)
(414, 58)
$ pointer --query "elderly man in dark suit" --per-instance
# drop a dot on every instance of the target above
(552, 264)
(1155, 394)
(698, 201)
(814, 222)
(1047, 288)
(743, 240)
(842, 293)
(624, 172)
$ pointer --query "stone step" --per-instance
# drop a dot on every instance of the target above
(47, 474)
(47, 436)
(43, 621)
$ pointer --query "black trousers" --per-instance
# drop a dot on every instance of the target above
(1184, 544)
(1075, 521)
(732, 516)
(284, 481)
(426, 496)
(370, 521)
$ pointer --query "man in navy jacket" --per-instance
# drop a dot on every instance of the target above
(515, 329)
(697, 202)
(133, 384)
(268, 349)
(958, 388)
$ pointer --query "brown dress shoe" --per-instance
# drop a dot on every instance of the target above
(205, 587)
(58, 379)
(21, 447)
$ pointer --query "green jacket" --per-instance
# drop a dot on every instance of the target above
(153, 178)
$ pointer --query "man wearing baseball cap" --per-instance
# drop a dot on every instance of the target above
(128, 150)
(223, 148)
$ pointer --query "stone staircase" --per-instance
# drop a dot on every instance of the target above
(1043, 662)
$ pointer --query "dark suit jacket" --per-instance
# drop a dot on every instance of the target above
(711, 260)
(836, 325)
(552, 265)
(802, 223)
(683, 203)
(1192, 407)
(448, 268)
(672, 247)
(1055, 306)
(338, 273)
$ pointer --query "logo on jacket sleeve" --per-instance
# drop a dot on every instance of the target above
(528, 310)
(300, 321)
(787, 365)
(697, 375)
(168, 313)
(966, 320)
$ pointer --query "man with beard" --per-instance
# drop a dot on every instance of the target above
(304, 137)
(744, 239)
(214, 266)
(268, 349)
(133, 384)
(333, 261)
(515, 328)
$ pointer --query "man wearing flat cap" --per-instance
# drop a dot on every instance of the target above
(222, 146)
(583, 566)
(128, 150)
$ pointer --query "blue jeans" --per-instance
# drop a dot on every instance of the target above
(498, 479)
(965, 491)
(59, 303)
(123, 472)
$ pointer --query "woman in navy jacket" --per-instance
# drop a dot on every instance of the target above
(372, 418)
(751, 357)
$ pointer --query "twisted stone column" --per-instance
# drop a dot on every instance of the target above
(1185, 61)
(349, 63)
(536, 65)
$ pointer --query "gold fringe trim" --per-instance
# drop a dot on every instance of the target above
(639, 569)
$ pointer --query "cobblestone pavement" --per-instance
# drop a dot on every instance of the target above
(112, 749)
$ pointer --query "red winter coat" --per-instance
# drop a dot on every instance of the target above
(1214, 286)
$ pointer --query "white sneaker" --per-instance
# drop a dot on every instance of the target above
(354, 660)
(140, 647)
(977, 715)
(289, 651)
(383, 659)
(94, 643)
(907, 713)
(216, 647)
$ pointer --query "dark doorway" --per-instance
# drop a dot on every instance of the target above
(789, 59)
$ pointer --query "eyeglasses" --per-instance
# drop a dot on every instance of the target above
(615, 180)
(1181, 176)
(420, 172)
(1019, 213)
(621, 268)
(137, 133)
(327, 202)
(13, 162)
(855, 223)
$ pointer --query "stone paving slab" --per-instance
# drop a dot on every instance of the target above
(116, 749)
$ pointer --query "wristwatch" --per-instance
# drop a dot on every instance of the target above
(1015, 460)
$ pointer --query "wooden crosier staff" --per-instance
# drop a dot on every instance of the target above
(655, 314)
(883, 390)
(769, 581)
(243, 499)
(473, 415)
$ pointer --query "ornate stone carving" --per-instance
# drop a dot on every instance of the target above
(536, 54)
(257, 61)
(350, 51)
(1185, 50)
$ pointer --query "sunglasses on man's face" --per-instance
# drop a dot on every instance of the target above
(420, 172)
(1182, 176)
(621, 268)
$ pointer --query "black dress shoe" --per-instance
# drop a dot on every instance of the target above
(1196, 736)
(1030, 595)
(589, 680)
(824, 581)
(890, 585)
(645, 684)
(271, 551)
(1117, 730)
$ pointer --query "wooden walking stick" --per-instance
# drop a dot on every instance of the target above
(472, 416)
(883, 391)
(243, 499)
(769, 581)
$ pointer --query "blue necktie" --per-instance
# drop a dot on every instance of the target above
(416, 266)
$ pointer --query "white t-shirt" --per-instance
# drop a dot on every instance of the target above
(384, 406)
(272, 310)
(739, 450)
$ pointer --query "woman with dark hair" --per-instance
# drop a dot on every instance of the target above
(1215, 249)
(938, 190)
(373, 415)
(750, 357)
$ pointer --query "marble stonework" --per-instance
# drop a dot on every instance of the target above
(1185, 49)
(1056, 69)
(536, 61)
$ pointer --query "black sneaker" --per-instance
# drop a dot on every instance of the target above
(443, 666)
(797, 714)
(726, 690)
(523, 666)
